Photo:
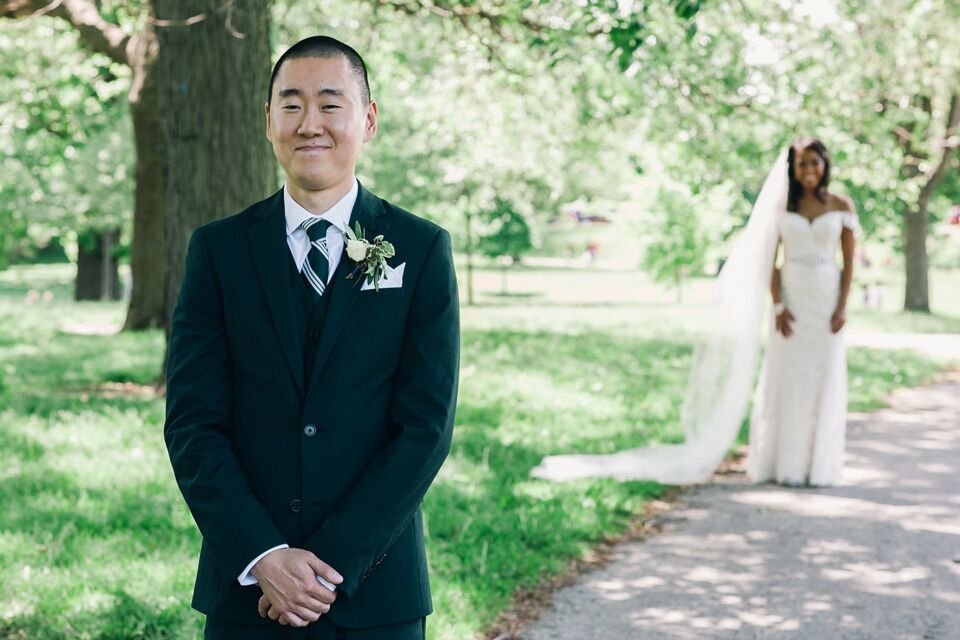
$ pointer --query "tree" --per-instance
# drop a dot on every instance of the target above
(506, 235)
(677, 242)
(99, 26)
(214, 72)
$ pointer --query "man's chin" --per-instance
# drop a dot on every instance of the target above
(317, 183)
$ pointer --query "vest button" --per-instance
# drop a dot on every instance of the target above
(296, 505)
(310, 431)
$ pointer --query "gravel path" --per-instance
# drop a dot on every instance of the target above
(877, 558)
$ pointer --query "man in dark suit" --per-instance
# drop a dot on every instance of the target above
(308, 407)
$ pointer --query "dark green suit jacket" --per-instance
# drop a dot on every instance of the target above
(380, 399)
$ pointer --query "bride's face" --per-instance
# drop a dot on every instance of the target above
(808, 168)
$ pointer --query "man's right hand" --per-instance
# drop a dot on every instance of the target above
(288, 578)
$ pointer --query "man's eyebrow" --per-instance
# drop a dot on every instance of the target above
(326, 91)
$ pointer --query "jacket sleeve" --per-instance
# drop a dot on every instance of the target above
(234, 525)
(423, 405)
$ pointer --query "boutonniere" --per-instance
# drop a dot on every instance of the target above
(369, 258)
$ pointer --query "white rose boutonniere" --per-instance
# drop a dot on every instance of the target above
(370, 258)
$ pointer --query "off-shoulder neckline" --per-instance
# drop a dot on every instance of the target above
(817, 217)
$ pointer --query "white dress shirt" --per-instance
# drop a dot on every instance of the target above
(338, 216)
(299, 242)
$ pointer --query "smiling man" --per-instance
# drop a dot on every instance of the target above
(310, 406)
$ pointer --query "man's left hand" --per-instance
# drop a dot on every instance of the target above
(266, 610)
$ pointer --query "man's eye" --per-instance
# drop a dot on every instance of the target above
(331, 106)
(291, 107)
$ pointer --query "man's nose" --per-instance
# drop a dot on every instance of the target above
(312, 123)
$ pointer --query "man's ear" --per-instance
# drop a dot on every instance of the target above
(371, 121)
(266, 112)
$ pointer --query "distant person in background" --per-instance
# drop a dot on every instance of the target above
(798, 425)
(797, 430)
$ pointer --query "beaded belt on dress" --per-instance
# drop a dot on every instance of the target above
(811, 261)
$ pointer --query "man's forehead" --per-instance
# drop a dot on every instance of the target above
(325, 76)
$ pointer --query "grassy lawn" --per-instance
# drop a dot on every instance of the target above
(95, 541)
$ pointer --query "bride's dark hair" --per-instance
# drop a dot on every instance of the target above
(796, 189)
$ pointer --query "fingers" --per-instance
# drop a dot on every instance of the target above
(324, 570)
(322, 596)
(309, 610)
(293, 620)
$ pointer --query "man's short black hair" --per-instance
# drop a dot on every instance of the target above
(325, 47)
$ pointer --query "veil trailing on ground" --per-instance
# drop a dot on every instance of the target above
(724, 364)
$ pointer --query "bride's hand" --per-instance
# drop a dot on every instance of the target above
(838, 319)
(783, 323)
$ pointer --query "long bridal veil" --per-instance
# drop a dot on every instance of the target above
(724, 364)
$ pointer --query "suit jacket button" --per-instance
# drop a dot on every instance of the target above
(296, 505)
(310, 430)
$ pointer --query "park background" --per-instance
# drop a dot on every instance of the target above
(591, 160)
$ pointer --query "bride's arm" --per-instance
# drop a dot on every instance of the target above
(847, 244)
(781, 313)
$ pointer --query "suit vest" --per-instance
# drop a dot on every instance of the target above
(308, 315)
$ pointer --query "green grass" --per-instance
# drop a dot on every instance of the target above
(95, 541)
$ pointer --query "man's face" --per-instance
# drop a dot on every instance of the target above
(317, 122)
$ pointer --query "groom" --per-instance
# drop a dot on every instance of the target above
(309, 407)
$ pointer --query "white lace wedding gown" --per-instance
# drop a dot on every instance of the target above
(798, 422)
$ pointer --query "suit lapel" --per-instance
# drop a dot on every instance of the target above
(369, 212)
(270, 254)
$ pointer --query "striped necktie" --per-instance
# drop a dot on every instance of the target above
(316, 268)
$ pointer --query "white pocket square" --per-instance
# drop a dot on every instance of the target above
(392, 278)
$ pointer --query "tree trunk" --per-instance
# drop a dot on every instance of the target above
(97, 274)
(147, 264)
(916, 292)
(214, 72)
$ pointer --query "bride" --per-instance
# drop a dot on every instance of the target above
(798, 422)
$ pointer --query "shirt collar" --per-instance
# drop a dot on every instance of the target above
(338, 215)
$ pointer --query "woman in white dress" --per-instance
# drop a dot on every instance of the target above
(797, 429)
(798, 423)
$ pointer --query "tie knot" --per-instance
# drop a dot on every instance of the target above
(316, 228)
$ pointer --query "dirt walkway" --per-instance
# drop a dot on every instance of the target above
(877, 558)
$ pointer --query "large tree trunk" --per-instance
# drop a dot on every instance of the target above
(214, 68)
(917, 221)
(97, 275)
(147, 265)
(916, 292)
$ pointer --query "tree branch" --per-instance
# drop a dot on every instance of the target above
(102, 36)
(950, 143)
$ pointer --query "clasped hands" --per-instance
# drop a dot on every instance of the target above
(291, 593)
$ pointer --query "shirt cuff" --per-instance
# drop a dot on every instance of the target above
(245, 579)
(332, 587)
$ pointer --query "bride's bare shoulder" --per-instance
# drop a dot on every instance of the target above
(840, 203)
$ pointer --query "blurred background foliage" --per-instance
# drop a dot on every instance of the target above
(555, 107)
